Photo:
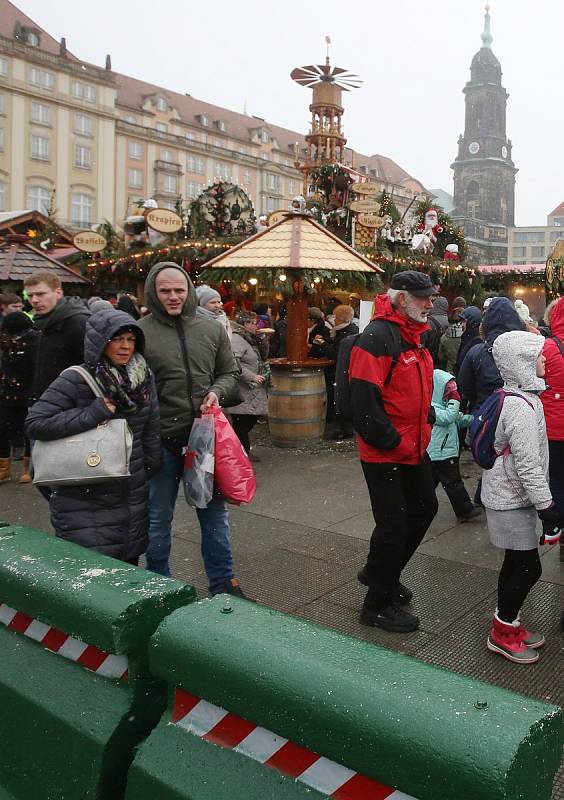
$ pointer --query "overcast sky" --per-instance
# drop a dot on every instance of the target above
(413, 56)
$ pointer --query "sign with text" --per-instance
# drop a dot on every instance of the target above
(365, 206)
(371, 220)
(366, 188)
(164, 220)
(90, 241)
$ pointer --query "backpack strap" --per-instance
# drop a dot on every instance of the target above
(397, 350)
(558, 344)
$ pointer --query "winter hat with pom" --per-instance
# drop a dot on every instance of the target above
(523, 311)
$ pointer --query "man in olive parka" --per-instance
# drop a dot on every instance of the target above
(194, 369)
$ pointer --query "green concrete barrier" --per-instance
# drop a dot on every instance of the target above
(76, 695)
(412, 726)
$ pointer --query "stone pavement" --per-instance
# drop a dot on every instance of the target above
(300, 543)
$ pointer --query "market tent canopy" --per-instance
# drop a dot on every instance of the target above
(501, 269)
(18, 259)
(295, 242)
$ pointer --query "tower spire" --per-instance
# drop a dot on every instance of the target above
(487, 37)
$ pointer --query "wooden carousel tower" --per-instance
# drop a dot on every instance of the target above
(325, 141)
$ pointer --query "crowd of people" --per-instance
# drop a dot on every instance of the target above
(417, 377)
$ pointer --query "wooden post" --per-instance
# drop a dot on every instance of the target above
(297, 328)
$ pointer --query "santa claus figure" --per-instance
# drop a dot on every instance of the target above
(427, 232)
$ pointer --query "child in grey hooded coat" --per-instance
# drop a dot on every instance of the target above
(515, 490)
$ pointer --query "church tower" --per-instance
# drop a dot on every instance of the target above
(484, 173)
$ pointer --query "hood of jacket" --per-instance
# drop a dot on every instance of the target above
(154, 304)
(410, 329)
(101, 327)
(472, 315)
(515, 354)
(557, 319)
(501, 317)
(440, 380)
(66, 308)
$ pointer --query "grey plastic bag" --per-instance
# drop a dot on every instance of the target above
(199, 463)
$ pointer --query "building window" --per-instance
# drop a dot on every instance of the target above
(168, 204)
(1, 140)
(84, 91)
(194, 189)
(265, 136)
(135, 178)
(1, 103)
(162, 104)
(537, 251)
(81, 209)
(38, 199)
(195, 164)
(3, 67)
(83, 125)
(131, 119)
(519, 252)
(40, 77)
(190, 136)
(217, 143)
(558, 222)
(555, 235)
(247, 177)
(205, 120)
(135, 150)
(161, 127)
(2, 196)
(40, 147)
(166, 155)
(222, 125)
(82, 156)
(32, 39)
(273, 181)
(291, 187)
(170, 184)
(222, 170)
(40, 113)
(529, 236)
(264, 156)
(272, 204)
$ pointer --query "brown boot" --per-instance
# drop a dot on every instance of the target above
(25, 477)
(5, 469)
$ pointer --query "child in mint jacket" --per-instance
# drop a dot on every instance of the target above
(444, 447)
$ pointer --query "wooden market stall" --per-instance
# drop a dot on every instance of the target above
(19, 259)
(294, 255)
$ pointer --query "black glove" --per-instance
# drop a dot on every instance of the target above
(552, 524)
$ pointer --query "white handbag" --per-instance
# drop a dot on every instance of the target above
(100, 454)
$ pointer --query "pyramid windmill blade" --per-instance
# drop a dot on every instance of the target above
(306, 76)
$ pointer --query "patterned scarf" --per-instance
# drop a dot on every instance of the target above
(127, 386)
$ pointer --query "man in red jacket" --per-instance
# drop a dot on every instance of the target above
(391, 383)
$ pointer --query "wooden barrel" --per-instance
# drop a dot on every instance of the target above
(297, 403)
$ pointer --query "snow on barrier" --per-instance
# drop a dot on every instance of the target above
(75, 692)
(308, 696)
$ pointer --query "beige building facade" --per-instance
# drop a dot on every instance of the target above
(104, 141)
(534, 244)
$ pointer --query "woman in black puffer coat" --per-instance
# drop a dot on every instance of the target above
(110, 517)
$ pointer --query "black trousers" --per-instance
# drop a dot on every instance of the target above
(447, 473)
(520, 570)
(12, 420)
(242, 425)
(404, 504)
(556, 473)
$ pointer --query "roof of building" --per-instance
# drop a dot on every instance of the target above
(295, 242)
(10, 15)
(21, 221)
(18, 259)
(558, 211)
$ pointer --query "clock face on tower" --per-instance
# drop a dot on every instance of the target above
(504, 152)
(473, 148)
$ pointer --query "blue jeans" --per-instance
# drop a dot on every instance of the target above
(214, 524)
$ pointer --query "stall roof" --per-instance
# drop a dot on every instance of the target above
(19, 258)
(295, 242)
(500, 269)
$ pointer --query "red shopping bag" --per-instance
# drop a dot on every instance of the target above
(234, 476)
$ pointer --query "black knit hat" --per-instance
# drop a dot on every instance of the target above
(16, 322)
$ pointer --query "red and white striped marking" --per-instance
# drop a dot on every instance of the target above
(215, 724)
(94, 659)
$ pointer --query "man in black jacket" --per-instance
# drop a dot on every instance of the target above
(62, 321)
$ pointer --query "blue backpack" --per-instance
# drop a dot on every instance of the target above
(483, 428)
